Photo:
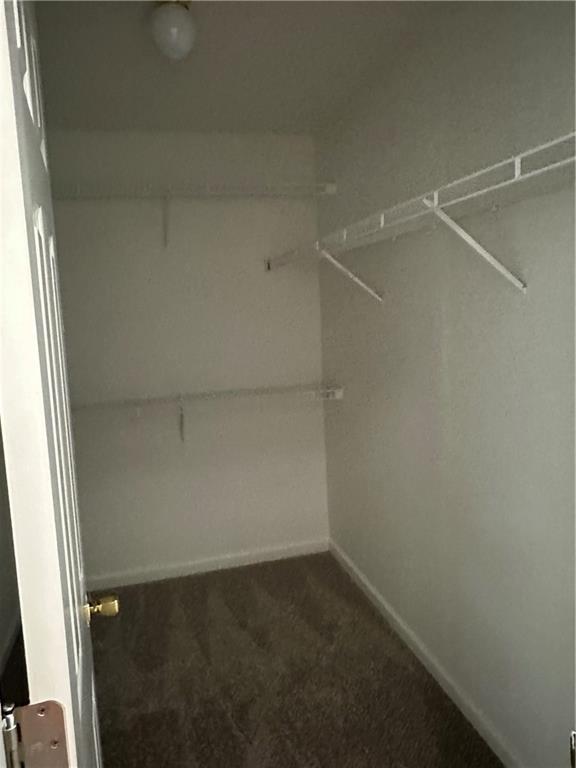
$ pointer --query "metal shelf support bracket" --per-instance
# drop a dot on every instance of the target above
(474, 244)
(334, 262)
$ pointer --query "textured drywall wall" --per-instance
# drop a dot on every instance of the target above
(451, 460)
(486, 81)
(198, 314)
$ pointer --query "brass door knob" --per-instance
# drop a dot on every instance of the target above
(107, 605)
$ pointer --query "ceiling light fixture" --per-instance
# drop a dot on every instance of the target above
(173, 29)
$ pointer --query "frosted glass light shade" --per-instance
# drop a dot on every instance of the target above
(173, 30)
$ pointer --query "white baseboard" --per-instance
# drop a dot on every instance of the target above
(204, 565)
(478, 719)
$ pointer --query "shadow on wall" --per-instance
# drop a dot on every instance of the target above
(13, 683)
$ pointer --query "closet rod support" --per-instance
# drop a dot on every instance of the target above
(475, 245)
(324, 254)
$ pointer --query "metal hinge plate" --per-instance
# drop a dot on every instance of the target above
(34, 736)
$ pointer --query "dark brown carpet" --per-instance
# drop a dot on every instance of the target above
(278, 665)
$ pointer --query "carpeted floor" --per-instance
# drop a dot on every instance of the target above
(277, 665)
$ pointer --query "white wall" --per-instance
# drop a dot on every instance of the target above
(451, 460)
(9, 605)
(200, 314)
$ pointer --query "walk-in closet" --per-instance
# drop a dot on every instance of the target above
(316, 270)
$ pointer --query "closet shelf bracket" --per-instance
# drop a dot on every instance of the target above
(474, 244)
(323, 254)
(334, 262)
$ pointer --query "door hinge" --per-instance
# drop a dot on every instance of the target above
(34, 735)
(573, 749)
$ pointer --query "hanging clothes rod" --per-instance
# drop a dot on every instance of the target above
(288, 190)
(408, 216)
(316, 391)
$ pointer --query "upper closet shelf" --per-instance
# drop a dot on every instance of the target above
(165, 195)
(154, 192)
(537, 170)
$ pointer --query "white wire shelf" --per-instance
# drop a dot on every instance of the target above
(545, 167)
(315, 391)
(279, 190)
(165, 196)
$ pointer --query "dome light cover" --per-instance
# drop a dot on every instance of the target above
(173, 29)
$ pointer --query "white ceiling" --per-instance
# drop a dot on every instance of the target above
(257, 66)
